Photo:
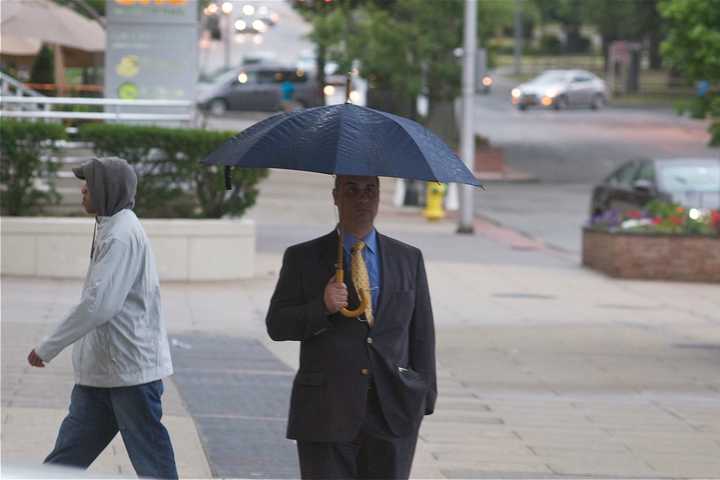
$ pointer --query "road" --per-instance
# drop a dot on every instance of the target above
(581, 145)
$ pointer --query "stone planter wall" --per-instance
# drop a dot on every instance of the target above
(653, 257)
(489, 159)
(185, 250)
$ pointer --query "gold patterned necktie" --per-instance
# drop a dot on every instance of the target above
(360, 277)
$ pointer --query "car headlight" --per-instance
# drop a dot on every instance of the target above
(516, 93)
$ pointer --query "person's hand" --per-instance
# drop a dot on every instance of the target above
(335, 296)
(35, 360)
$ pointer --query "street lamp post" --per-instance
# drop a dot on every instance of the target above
(227, 8)
(467, 140)
(518, 47)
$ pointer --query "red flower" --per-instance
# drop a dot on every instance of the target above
(715, 218)
(657, 220)
(675, 220)
(633, 214)
(679, 209)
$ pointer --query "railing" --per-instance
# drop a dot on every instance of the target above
(11, 86)
(41, 109)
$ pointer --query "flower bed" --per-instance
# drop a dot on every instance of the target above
(661, 242)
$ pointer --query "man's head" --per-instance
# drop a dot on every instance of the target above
(357, 199)
(87, 200)
(110, 185)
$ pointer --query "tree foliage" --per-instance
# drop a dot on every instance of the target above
(693, 47)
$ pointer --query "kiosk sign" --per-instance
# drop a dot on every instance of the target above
(151, 49)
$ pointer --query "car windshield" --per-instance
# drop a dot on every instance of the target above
(698, 177)
(553, 76)
(221, 75)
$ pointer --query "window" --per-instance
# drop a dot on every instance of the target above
(646, 172)
(624, 175)
(686, 177)
(267, 76)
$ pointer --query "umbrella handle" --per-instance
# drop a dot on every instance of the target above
(340, 278)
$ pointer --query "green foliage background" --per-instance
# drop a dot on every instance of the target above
(23, 147)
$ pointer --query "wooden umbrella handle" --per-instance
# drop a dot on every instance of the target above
(340, 278)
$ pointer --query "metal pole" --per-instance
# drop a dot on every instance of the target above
(228, 34)
(467, 141)
(518, 37)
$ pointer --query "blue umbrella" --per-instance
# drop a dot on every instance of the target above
(344, 139)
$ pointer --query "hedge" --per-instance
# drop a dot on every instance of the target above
(25, 148)
(172, 181)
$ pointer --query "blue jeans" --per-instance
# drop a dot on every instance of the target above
(96, 415)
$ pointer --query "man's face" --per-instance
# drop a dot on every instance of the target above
(86, 201)
(357, 200)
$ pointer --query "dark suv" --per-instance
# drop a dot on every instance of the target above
(257, 88)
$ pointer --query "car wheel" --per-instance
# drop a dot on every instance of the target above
(561, 103)
(597, 102)
(522, 107)
(217, 107)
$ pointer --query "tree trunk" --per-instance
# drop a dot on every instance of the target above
(655, 38)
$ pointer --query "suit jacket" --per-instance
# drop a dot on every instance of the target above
(338, 354)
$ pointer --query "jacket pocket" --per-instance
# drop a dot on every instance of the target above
(309, 378)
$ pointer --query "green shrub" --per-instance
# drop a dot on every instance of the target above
(172, 181)
(550, 44)
(43, 69)
(24, 148)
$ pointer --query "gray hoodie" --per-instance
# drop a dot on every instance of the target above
(112, 183)
(117, 329)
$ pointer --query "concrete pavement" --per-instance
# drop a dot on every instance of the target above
(547, 370)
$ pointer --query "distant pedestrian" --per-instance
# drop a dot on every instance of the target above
(121, 350)
(288, 92)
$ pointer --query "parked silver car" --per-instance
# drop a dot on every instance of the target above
(561, 89)
(257, 87)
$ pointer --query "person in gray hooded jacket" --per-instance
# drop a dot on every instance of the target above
(121, 350)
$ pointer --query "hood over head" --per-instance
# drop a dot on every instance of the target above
(112, 183)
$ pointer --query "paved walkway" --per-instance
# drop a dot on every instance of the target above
(546, 369)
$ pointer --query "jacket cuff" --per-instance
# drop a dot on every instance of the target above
(318, 319)
(45, 353)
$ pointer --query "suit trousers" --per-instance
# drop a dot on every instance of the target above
(375, 453)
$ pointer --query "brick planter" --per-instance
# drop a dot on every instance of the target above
(489, 159)
(689, 258)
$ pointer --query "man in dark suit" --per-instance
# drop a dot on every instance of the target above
(365, 383)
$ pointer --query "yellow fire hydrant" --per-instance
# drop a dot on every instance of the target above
(434, 201)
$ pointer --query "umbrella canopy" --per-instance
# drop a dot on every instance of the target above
(48, 22)
(344, 140)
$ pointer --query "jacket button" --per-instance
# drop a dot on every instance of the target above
(364, 371)
(369, 340)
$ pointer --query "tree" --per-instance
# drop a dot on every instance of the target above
(693, 47)
(636, 20)
(404, 47)
(42, 70)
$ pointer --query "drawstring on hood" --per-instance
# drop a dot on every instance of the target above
(112, 184)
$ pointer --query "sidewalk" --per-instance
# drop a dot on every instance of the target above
(547, 370)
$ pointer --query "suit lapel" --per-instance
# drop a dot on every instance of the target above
(328, 252)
